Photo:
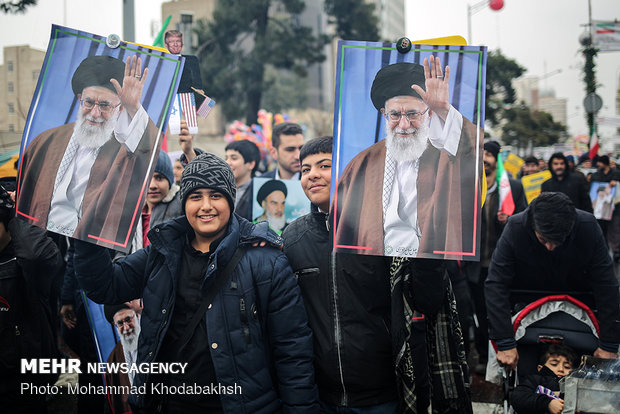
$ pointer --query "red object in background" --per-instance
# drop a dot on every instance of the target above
(496, 4)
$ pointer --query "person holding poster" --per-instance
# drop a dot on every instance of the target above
(230, 311)
(74, 173)
(404, 195)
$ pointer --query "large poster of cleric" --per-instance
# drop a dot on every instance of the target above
(408, 134)
(92, 136)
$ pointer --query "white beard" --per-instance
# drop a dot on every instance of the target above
(130, 342)
(277, 223)
(94, 136)
(407, 148)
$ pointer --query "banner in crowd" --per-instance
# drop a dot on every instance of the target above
(400, 196)
(278, 202)
(513, 164)
(92, 135)
(531, 184)
(602, 195)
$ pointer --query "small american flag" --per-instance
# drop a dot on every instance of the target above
(206, 107)
(188, 105)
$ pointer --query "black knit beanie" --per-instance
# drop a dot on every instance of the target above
(208, 171)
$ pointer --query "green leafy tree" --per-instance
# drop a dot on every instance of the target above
(243, 39)
(354, 19)
(524, 126)
(501, 71)
(16, 6)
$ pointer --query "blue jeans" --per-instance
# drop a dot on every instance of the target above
(386, 408)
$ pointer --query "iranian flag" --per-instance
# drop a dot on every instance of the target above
(594, 146)
(506, 202)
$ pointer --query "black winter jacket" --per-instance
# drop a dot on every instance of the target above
(525, 400)
(580, 264)
(257, 325)
(30, 276)
(348, 301)
(347, 298)
(574, 185)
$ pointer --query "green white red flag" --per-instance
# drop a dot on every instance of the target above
(506, 202)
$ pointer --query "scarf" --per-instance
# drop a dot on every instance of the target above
(448, 370)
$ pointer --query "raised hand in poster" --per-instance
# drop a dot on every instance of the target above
(415, 191)
(437, 93)
(87, 177)
(130, 92)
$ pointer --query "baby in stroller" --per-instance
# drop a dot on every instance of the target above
(539, 392)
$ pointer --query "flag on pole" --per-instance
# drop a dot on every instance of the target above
(506, 202)
(206, 107)
(174, 122)
(594, 146)
(188, 106)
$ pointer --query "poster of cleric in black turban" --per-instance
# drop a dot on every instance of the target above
(278, 202)
(408, 134)
(92, 136)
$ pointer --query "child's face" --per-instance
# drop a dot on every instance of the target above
(316, 175)
(559, 365)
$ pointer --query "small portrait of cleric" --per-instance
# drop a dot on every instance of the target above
(86, 178)
(413, 190)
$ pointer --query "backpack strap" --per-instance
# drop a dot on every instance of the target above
(220, 280)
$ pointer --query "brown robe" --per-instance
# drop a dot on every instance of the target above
(113, 193)
(118, 402)
(446, 187)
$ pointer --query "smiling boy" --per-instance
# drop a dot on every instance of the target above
(235, 325)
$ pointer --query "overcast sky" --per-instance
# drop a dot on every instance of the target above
(541, 35)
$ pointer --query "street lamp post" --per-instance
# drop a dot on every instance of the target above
(473, 9)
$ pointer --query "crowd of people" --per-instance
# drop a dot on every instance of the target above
(269, 308)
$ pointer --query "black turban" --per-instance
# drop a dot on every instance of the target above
(110, 310)
(493, 147)
(97, 71)
(396, 80)
(268, 188)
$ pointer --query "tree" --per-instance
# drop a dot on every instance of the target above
(246, 36)
(16, 6)
(524, 126)
(499, 91)
(354, 19)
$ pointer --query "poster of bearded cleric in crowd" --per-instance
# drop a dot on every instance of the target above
(408, 135)
(92, 136)
(278, 202)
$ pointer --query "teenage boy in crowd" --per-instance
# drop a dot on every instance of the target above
(163, 201)
(243, 157)
(350, 308)
(231, 311)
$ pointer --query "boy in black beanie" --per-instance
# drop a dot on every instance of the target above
(231, 314)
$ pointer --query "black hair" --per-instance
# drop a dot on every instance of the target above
(559, 350)
(320, 145)
(553, 216)
(558, 156)
(603, 159)
(284, 128)
(248, 150)
(530, 160)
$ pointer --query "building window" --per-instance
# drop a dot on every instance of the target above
(11, 128)
(11, 108)
(9, 66)
(10, 88)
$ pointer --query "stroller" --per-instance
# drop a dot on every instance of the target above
(554, 319)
